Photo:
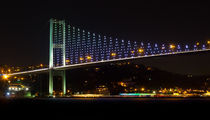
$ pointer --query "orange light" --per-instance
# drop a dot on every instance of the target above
(81, 59)
(5, 77)
(123, 84)
(149, 68)
(172, 46)
(113, 54)
(41, 65)
(89, 57)
(67, 61)
(140, 50)
(197, 43)
(208, 42)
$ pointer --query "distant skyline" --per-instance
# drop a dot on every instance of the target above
(24, 28)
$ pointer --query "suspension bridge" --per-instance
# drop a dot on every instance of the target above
(74, 47)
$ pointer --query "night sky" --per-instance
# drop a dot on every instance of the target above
(24, 28)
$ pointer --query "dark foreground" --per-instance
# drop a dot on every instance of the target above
(106, 107)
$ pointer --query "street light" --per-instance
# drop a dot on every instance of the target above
(81, 59)
(41, 65)
(172, 46)
(88, 57)
(113, 54)
(5, 77)
(132, 51)
(208, 44)
(140, 50)
(67, 61)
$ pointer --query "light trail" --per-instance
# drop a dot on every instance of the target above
(105, 61)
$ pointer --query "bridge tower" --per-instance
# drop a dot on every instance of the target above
(57, 48)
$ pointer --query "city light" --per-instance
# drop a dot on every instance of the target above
(87, 95)
(123, 84)
(197, 43)
(5, 77)
(137, 94)
(208, 42)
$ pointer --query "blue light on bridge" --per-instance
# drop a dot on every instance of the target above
(204, 47)
(81, 43)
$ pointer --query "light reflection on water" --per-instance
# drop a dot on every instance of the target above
(128, 99)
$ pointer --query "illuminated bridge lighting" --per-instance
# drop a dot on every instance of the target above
(113, 54)
(140, 50)
(172, 46)
(89, 57)
(98, 62)
(82, 44)
(73, 47)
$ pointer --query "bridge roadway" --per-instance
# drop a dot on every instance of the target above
(103, 61)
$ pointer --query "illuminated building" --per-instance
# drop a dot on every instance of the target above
(102, 89)
(17, 89)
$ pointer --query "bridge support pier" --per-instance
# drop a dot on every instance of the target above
(53, 73)
(50, 82)
(64, 82)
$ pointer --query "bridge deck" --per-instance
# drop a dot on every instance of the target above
(104, 61)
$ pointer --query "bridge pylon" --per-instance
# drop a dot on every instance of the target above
(53, 73)
(55, 46)
(50, 82)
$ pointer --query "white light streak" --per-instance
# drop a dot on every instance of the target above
(104, 61)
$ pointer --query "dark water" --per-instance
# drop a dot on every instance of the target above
(106, 107)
